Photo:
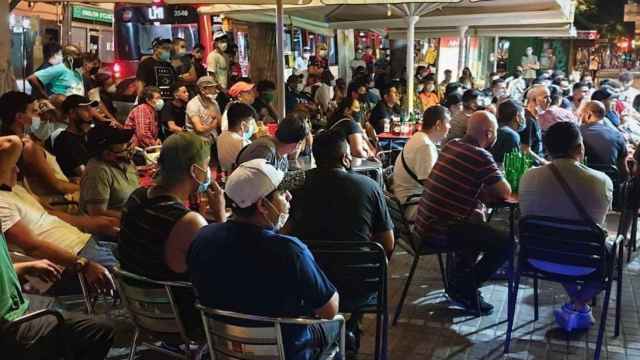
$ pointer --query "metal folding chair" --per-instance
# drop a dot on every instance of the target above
(573, 243)
(408, 240)
(235, 336)
(358, 269)
(154, 312)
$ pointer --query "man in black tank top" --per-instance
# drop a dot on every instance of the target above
(157, 228)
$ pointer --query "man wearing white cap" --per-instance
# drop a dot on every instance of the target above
(218, 60)
(244, 265)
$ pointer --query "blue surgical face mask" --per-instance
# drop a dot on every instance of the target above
(164, 55)
(203, 185)
(251, 129)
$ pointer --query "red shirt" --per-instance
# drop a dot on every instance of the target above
(454, 185)
(143, 119)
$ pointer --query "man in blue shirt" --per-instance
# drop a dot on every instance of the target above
(62, 79)
(245, 266)
(604, 144)
(607, 98)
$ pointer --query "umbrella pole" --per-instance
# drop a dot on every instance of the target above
(280, 56)
(411, 34)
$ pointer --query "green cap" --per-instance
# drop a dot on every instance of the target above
(179, 152)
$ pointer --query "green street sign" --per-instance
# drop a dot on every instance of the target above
(85, 13)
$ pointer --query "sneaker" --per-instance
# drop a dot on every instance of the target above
(565, 318)
(472, 304)
(584, 318)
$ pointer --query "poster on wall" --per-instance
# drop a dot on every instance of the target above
(449, 51)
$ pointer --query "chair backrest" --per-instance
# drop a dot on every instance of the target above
(629, 191)
(355, 268)
(235, 336)
(401, 228)
(567, 242)
(151, 304)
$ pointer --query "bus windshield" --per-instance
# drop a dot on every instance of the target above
(137, 27)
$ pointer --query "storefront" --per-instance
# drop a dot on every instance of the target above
(92, 30)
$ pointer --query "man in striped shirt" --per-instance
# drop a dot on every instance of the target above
(451, 212)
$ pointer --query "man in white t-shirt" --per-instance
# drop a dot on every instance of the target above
(231, 141)
(414, 163)
(541, 194)
(203, 112)
(29, 228)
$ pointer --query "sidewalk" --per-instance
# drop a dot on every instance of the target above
(428, 329)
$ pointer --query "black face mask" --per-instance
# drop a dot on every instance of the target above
(77, 62)
(94, 70)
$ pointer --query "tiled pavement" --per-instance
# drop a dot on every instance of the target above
(429, 329)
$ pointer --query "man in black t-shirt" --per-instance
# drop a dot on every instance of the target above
(157, 70)
(539, 99)
(385, 109)
(337, 205)
(172, 116)
(70, 147)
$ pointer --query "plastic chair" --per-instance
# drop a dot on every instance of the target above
(413, 245)
(573, 243)
(358, 269)
(631, 198)
(261, 340)
(154, 311)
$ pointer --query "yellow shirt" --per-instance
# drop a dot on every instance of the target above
(428, 99)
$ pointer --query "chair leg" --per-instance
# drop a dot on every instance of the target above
(416, 259)
(134, 343)
(86, 294)
(511, 310)
(603, 319)
(378, 343)
(536, 310)
(443, 273)
(619, 264)
(385, 333)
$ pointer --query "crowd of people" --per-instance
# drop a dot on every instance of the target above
(73, 197)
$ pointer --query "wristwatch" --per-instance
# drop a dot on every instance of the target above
(80, 264)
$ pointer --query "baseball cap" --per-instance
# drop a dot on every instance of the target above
(101, 136)
(602, 94)
(76, 101)
(219, 35)
(240, 87)
(206, 81)
(255, 179)
(157, 42)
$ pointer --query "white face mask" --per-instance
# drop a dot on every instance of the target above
(251, 129)
(56, 59)
(419, 88)
(159, 104)
(300, 87)
(112, 89)
(282, 217)
(430, 88)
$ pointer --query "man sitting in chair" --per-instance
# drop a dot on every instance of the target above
(245, 266)
(541, 194)
(42, 338)
(352, 208)
(452, 213)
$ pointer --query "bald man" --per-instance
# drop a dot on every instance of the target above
(538, 101)
(605, 146)
(451, 212)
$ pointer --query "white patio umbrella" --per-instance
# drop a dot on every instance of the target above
(464, 17)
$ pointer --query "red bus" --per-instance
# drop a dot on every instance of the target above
(135, 27)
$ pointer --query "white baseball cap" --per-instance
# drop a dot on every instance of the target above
(256, 179)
